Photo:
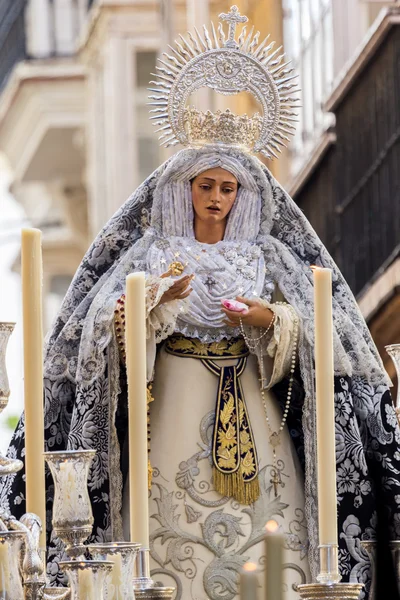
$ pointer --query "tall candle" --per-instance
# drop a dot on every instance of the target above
(274, 563)
(31, 271)
(116, 576)
(4, 569)
(324, 374)
(135, 331)
(86, 585)
(248, 582)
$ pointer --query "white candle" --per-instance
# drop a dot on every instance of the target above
(248, 582)
(86, 585)
(31, 271)
(4, 570)
(135, 331)
(325, 406)
(116, 576)
(274, 563)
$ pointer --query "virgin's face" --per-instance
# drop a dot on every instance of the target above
(213, 195)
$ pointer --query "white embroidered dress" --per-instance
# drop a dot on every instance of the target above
(200, 540)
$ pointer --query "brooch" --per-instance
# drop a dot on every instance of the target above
(176, 268)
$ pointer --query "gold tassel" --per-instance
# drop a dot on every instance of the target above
(149, 474)
(234, 486)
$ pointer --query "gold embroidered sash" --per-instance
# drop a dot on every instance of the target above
(235, 463)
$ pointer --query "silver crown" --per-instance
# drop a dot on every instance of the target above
(227, 66)
(222, 127)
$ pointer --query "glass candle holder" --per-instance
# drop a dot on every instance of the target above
(86, 578)
(118, 583)
(56, 593)
(10, 555)
(7, 465)
(370, 548)
(394, 352)
(72, 510)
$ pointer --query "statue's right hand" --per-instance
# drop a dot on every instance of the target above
(179, 291)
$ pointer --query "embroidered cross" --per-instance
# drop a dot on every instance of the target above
(208, 278)
(210, 282)
(233, 17)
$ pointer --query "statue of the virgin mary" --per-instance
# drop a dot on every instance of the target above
(230, 347)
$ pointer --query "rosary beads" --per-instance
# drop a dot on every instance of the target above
(253, 345)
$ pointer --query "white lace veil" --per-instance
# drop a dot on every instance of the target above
(81, 353)
(263, 213)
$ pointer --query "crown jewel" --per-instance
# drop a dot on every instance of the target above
(222, 127)
(228, 66)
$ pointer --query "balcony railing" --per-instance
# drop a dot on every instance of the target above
(55, 25)
(12, 36)
(353, 198)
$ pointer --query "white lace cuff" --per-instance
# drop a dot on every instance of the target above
(160, 318)
(276, 349)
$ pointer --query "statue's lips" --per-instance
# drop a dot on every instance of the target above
(213, 209)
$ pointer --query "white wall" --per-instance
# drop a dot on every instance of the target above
(11, 216)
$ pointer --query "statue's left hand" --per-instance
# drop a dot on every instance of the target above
(257, 315)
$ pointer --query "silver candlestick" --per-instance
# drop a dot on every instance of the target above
(51, 593)
(395, 548)
(329, 586)
(142, 579)
(87, 578)
(143, 584)
(72, 510)
(370, 547)
(123, 555)
(10, 580)
(7, 465)
(394, 352)
(32, 559)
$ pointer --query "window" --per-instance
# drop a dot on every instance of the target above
(147, 139)
(308, 37)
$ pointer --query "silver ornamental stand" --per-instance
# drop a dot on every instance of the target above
(8, 466)
(73, 522)
(143, 585)
(328, 584)
(24, 534)
(124, 553)
(87, 578)
(370, 547)
(72, 511)
(394, 352)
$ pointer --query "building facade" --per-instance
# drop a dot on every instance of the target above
(343, 170)
(74, 124)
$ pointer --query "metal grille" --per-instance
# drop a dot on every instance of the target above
(353, 200)
(12, 36)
